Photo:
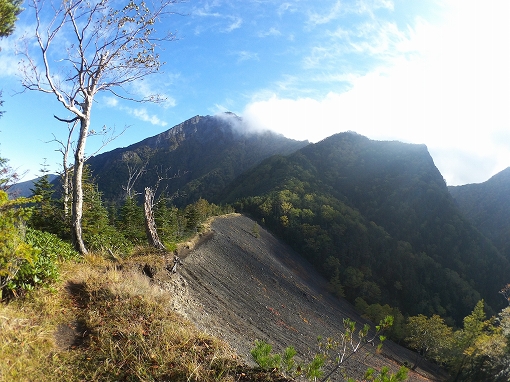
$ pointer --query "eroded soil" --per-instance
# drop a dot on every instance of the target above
(241, 287)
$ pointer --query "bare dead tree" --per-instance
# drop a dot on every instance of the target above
(106, 48)
(137, 166)
(134, 173)
(150, 222)
(67, 147)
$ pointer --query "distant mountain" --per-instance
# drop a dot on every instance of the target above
(378, 220)
(487, 205)
(23, 188)
(197, 158)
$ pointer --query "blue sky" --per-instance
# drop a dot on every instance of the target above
(431, 72)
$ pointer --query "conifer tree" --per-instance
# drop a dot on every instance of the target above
(45, 213)
(9, 11)
(131, 221)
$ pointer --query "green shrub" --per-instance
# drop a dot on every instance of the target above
(50, 245)
(261, 354)
(288, 361)
(43, 267)
(14, 252)
(315, 369)
(109, 240)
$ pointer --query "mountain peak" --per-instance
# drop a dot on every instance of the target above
(209, 150)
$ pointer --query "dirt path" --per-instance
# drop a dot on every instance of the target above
(241, 287)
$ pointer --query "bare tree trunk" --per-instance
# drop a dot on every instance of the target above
(66, 189)
(150, 223)
(77, 207)
(66, 182)
(95, 47)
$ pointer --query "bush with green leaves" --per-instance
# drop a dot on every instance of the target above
(110, 241)
(28, 257)
(331, 356)
(384, 375)
(51, 245)
(262, 355)
(14, 251)
(43, 267)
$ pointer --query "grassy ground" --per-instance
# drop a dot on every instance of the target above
(105, 321)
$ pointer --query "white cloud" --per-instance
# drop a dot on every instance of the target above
(8, 65)
(284, 8)
(143, 115)
(236, 24)
(316, 18)
(111, 101)
(342, 8)
(206, 11)
(238, 124)
(151, 87)
(244, 55)
(271, 32)
(140, 113)
(453, 96)
(369, 41)
(368, 6)
(10, 47)
(169, 102)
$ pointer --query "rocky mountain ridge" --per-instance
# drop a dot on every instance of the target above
(487, 206)
(196, 158)
(376, 218)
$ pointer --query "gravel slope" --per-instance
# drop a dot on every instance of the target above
(241, 287)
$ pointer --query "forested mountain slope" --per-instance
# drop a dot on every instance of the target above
(487, 205)
(196, 158)
(377, 219)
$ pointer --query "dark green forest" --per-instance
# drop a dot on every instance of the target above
(377, 219)
(487, 206)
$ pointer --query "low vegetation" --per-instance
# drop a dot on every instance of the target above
(100, 323)
(332, 354)
(98, 317)
(65, 317)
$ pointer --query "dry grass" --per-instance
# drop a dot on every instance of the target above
(101, 323)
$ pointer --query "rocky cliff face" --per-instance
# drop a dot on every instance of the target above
(487, 205)
(201, 155)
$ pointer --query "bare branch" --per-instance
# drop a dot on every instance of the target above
(134, 173)
(66, 120)
(109, 134)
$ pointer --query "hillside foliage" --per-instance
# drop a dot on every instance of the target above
(487, 206)
(376, 218)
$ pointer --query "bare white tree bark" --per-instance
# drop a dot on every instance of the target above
(150, 223)
(106, 48)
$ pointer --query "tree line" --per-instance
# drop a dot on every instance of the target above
(28, 225)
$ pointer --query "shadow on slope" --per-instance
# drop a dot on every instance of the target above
(242, 286)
